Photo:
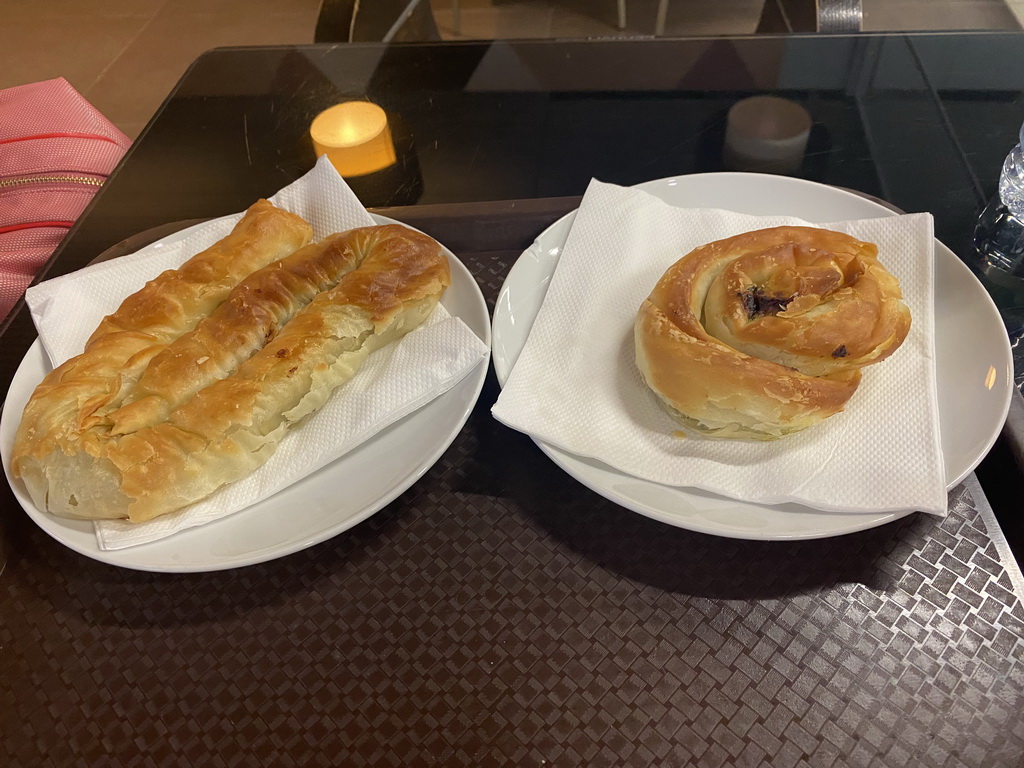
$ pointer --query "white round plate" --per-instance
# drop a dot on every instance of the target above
(313, 510)
(974, 361)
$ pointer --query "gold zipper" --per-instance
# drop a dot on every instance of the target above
(31, 179)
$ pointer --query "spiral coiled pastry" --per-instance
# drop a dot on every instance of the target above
(195, 379)
(763, 334)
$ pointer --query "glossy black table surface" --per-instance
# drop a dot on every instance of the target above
(498, 612)
(921, 121)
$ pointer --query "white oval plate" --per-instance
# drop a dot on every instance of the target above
(313, 510)
(974, 361)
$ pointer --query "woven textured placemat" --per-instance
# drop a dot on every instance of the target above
(499, 613)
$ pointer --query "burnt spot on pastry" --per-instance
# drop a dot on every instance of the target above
(282, 353)
(292, 370)
(839, 351)
(757, 303)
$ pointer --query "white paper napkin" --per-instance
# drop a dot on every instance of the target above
(576, 385)
(392, 383)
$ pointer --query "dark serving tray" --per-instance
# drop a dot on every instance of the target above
(499, 613)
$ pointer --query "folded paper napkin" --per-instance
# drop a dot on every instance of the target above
(883, 453)
(392, 383)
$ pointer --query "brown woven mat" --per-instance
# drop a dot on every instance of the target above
(499, 613)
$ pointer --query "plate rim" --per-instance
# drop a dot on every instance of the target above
(855, 522)
(50, 524)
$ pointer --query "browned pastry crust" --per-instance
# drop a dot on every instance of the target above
(765, 333)
(192, 383)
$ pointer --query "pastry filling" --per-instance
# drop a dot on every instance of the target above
(758, 303)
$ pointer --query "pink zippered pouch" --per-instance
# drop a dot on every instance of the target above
(56, 150)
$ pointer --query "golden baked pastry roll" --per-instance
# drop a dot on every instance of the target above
(210, 406)
(63, 405)
(763, 334)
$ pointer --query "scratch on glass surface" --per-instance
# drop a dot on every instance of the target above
(403, 186)
(245, 131)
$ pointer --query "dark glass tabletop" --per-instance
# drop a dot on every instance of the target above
(498, 612)
(921, 121)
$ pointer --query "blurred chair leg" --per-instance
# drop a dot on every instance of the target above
(457, 17)
(403, 17)
(783, 16)
(375, 20)
(334, 24)
(829, 16)
(659, 24)
(772, 20)
(622, 14)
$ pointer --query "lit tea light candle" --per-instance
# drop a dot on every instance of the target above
(355, 136)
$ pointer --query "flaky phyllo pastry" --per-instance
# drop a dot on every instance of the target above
(763, 334)
(193, 381)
